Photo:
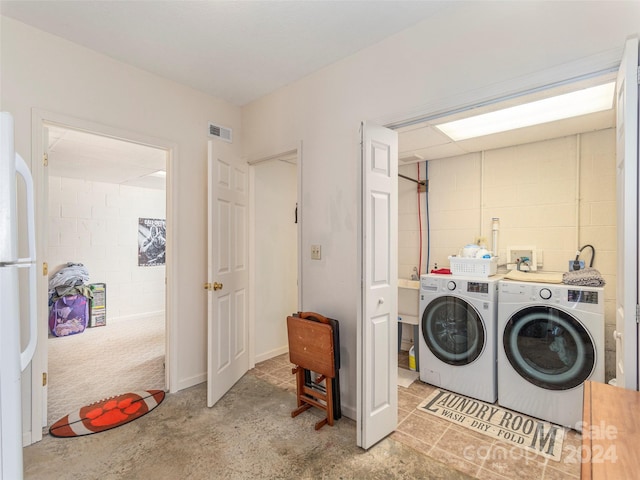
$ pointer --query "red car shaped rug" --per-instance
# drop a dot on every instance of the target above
(107, 414)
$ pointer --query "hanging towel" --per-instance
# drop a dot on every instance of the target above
(540, 277)
(586, 277)
(441, 271)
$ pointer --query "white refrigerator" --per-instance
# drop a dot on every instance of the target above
(13, 171)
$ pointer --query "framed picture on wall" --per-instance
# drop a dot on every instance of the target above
(152, 238)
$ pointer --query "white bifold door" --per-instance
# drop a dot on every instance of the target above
(627, 295)
(377, 328)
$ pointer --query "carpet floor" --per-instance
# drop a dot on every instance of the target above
(104, 361)
(249, 434)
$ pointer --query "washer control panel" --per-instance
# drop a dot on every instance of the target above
(480, 288)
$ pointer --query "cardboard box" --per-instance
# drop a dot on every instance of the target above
(98, 305)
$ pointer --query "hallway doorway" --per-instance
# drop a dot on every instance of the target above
(101, 191)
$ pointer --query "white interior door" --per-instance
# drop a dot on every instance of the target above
(228, 335)
(626, 333)
(378, 324)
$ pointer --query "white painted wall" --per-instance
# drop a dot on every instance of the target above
(96, 224)
(47, 73)
(462, 55)
(276, 255)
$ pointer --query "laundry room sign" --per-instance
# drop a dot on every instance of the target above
(512, 428)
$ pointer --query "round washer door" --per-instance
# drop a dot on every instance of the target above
(549, 348)
(453, 330)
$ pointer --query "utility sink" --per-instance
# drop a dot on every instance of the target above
(408, 303)
(406, 283)
(408, 307)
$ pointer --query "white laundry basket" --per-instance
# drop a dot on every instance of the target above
(473, 267)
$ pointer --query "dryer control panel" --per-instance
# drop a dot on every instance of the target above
(582, 296)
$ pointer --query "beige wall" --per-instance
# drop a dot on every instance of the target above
(409, 222)
(556, 195)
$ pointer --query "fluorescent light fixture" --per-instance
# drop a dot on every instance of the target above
(159, 174)
(581, 102)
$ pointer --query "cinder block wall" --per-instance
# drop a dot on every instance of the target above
(96, 224)
(556, 195)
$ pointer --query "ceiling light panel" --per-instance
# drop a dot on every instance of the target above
(581, 102)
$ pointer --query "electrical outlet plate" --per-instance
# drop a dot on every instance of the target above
(518, 252)
(316, 252)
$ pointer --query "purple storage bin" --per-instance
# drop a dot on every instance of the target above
(69, 315)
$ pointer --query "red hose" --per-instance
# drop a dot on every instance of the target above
(419, 223)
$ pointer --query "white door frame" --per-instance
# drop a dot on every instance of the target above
(297, 153)
(291, 153)
(39, 364)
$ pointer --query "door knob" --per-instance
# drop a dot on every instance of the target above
(617, 335)
(217, 286)
(380, 301)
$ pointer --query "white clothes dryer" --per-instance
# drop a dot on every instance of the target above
(550, 340)
(458, 329)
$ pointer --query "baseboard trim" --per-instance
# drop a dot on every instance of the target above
(139, 316)
(272, 353)
(348, 412)
(191, 381)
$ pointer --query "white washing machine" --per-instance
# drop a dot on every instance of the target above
(550, 340)
(458, 328)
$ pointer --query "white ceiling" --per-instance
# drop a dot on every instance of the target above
(240, 51)
(234, 50)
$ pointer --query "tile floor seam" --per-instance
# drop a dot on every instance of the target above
(402, 421)
(458, 457)
(494, 474)
(416, 438)
(435, 444)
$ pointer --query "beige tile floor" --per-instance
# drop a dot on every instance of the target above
(472, 453)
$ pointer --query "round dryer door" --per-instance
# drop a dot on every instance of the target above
(453, 330)
(549, 348)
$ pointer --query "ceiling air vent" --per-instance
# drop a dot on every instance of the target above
(223, 133)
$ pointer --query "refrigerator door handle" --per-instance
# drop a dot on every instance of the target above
(23, 170)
